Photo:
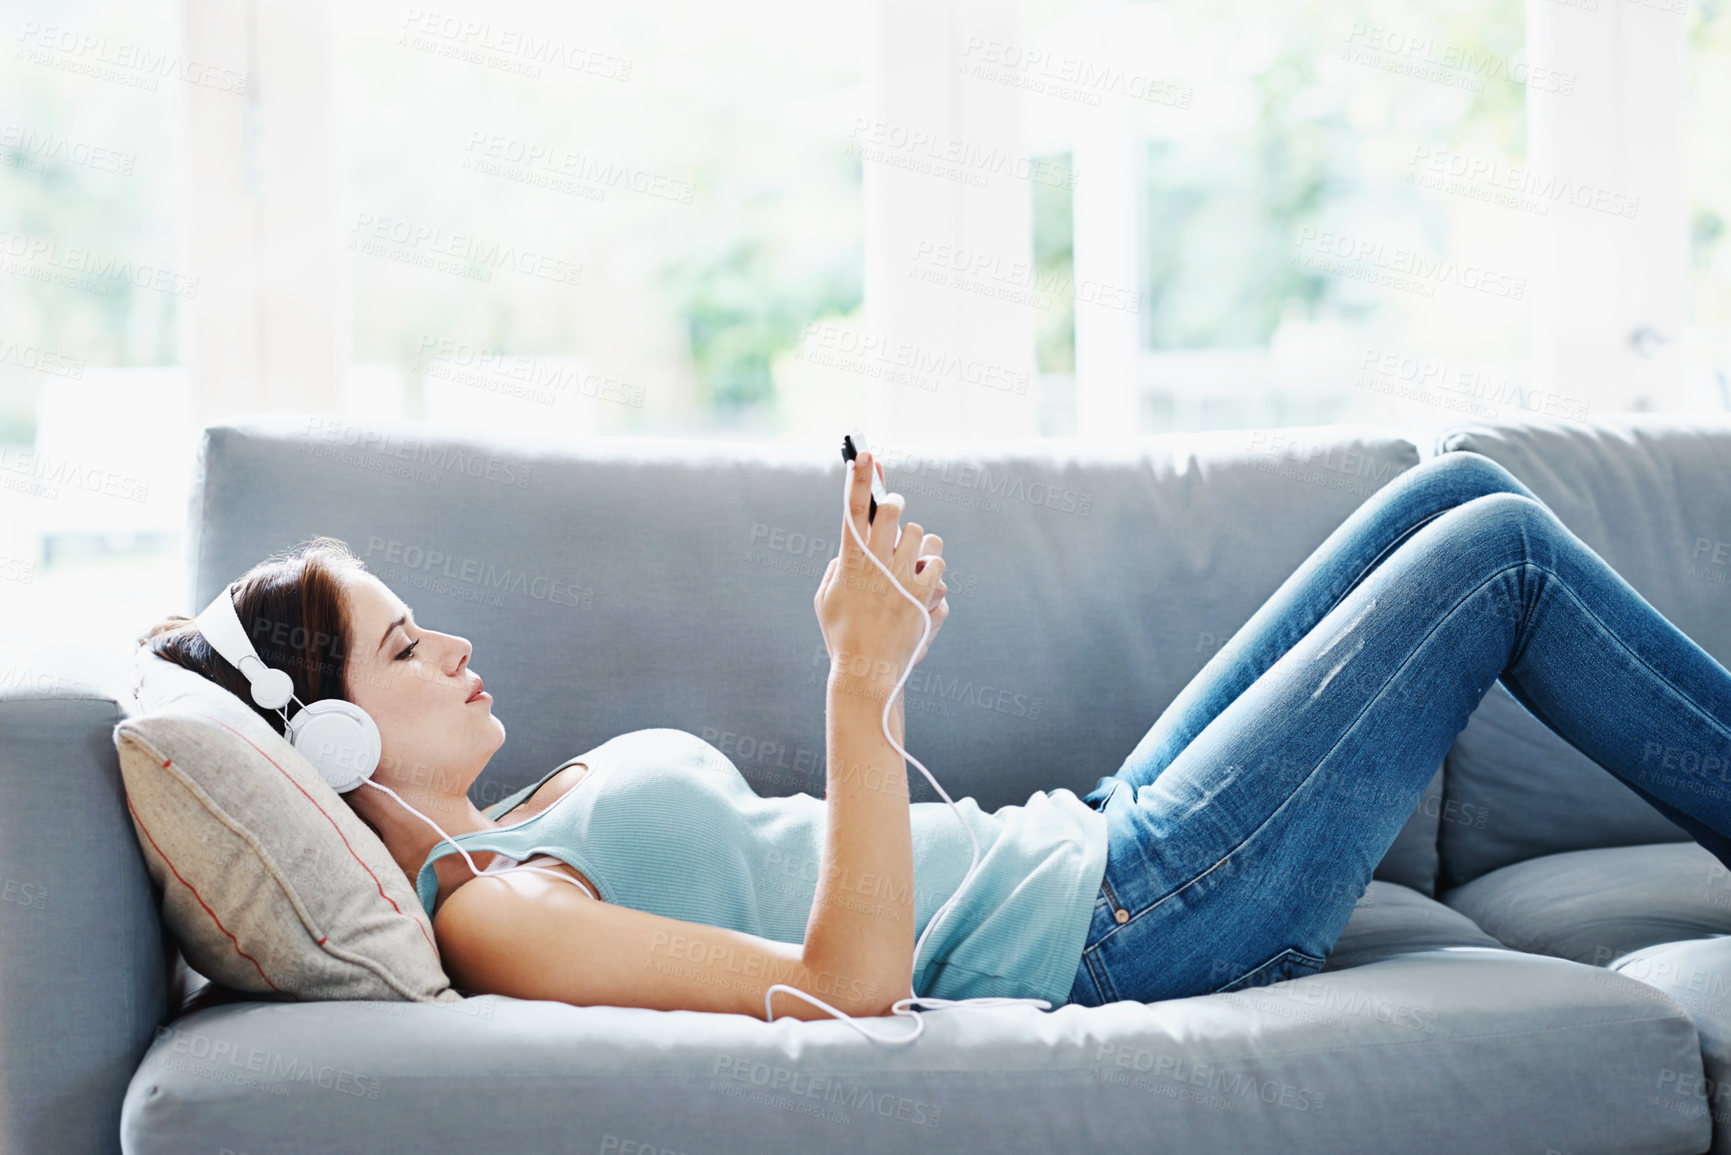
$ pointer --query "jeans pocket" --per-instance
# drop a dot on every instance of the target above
(1287, 964)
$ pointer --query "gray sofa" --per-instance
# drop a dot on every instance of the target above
(1542, 964)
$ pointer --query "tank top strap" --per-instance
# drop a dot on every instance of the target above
(517, 798)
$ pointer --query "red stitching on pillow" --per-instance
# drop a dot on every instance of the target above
(328, 818)
(200, 898)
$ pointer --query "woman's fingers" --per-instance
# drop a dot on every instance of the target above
(886, 527)
(908, 549)
(859, 492)
(931, 546)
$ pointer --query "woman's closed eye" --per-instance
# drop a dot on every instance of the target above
(409, 649)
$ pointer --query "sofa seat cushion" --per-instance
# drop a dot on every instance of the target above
(1697, 976)
(1593, 906)
(1390, 919)
(1501, 1051)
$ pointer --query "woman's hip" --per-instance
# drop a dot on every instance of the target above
(1181, 914)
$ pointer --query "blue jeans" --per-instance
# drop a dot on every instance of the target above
(1247, 822)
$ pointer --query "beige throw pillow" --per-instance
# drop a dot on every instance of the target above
(269, 881)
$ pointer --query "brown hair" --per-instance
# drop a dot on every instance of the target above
(295, 613)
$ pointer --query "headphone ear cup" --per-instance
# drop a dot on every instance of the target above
(340, 739)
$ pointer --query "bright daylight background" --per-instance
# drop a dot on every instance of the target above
(772, 219)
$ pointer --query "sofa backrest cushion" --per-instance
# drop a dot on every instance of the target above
(1651, 495)
(615, 584)
(268, 881)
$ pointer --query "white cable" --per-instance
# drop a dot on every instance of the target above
(443, 837)
(905, 1006)
(464, 850)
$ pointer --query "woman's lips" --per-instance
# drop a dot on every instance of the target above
(479, 693)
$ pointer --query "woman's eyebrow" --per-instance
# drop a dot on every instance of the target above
(408, 617)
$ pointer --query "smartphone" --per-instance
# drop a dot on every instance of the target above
(851, 445)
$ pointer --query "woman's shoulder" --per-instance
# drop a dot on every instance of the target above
(656, 748)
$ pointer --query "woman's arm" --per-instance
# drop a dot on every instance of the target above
(862, 915)
(533, 937)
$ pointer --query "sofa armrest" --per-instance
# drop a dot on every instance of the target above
(84, 966)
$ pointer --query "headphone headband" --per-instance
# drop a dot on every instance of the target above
(338, 737)
(220, 625)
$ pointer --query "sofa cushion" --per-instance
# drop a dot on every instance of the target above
(268, 881)
(1650, 494)
(1390, 919)
(1697, 976)
(1593, 906)
(1494, 1051)
(615, 584)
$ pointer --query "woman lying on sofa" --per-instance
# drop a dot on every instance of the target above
(1227, 851)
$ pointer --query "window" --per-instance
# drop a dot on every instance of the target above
(95, 287)
(1708, 168)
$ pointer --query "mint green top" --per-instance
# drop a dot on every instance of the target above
(665, 823)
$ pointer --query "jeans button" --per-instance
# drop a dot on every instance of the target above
(1121, 915)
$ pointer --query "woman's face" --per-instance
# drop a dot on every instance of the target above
(416, 684)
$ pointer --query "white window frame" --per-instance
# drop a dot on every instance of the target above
(1610, 294)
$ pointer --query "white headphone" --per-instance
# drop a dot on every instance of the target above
(338, 737)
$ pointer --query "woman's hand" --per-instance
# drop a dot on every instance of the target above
(871, 630)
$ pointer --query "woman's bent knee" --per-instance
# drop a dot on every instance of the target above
(1481, 474)
(1499, 525)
